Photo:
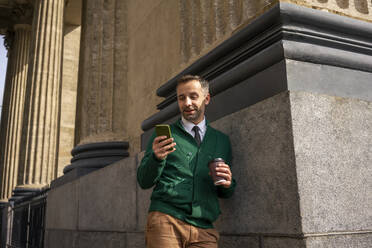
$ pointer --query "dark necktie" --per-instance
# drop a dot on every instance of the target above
(197, 138)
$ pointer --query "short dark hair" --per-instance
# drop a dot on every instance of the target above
(186, 78)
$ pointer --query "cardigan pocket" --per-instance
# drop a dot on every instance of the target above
(179, 193)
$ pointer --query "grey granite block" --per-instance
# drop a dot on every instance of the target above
(266, 197)
(107, 198)
(228, 241)
(60, 239)
(282, 242)
(101, 239)
(333, 140)
(135, 240)
(328, 80)
(340, 241)
(143, 201)
(62, 207)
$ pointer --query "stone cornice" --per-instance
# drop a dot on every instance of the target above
(287, 31)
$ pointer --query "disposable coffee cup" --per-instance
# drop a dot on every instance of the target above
(213, 164)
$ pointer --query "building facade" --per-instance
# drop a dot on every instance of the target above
(88, 80)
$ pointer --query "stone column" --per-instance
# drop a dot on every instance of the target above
(42, 102)
(15, 90)
(100, 119)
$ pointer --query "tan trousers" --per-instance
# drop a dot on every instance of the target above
(165, 231)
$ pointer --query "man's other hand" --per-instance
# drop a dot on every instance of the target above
(223, 170)
(163, 146)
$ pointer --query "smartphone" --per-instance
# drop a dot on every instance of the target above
(163, 130)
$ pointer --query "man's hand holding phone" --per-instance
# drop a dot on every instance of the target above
(162, 146)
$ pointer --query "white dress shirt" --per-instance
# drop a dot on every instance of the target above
(188, 126)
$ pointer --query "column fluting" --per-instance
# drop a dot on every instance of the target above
(42, 103)
(17, 69)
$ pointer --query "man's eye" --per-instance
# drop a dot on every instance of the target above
(194, 96)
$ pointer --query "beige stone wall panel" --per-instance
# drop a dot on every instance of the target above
(68, 95)
(42, 103)
(153, 56)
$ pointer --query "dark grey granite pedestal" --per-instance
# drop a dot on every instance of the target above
(90, 157)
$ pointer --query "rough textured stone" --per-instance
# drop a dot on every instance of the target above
(358, 9)
(68, 95)
(62, 207)
(38, 159)
(340, 241)
(332, 141)
(282, 242)
(266, 198)
(13, 109)
(101, 239)
(60, 239)
(143, 201)
(107, 198)
(160, 58)
(238, 241)
(135, 240)
(328, 80)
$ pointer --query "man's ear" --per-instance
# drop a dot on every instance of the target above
(207, 99)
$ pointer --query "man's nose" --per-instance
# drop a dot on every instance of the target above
(188, 101)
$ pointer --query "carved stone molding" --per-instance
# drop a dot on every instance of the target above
(285, 32)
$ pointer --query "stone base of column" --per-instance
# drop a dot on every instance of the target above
(90, 157)
(24, 192)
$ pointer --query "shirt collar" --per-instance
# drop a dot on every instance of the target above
(188, 125)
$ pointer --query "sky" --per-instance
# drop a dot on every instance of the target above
(3, 62)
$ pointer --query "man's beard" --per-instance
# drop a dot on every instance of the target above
(194, 116)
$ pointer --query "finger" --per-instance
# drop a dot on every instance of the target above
(166, 141)
(223, 170)
(169, 151)
(159, 138)
(225, 184)
(168, 147)
(224, 175)
(223, 165)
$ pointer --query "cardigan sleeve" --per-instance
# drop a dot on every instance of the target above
(150, 168)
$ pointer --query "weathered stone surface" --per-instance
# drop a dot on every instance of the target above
(60, 239)
(143, 201)
(266, 198)
(160, 58)
(238, 241)
(282, 242)
(340, 241)
(328, 80)
(11, 126)
(68, 95)
(107, 198)
(101, 239)
(332, 141)
(358, 8)
(62, 207)
(135, 240)
(40, 128)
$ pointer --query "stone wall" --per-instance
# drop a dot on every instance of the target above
(299, 184)
(68, 95)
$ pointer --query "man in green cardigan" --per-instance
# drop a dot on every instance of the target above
(184, 201)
